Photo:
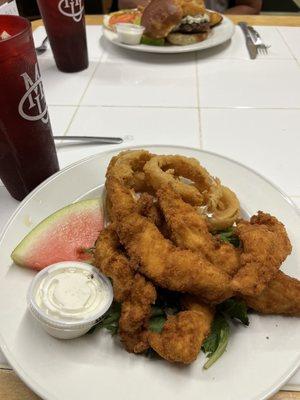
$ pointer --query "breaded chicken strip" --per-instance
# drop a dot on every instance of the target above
(189, 230)
(136, 294)
(159, 260)
(183, 334)
(281, 296)
(148, 208)
(135, 313)
(265, 247)
(113, 263)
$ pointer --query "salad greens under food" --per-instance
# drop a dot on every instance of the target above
(168, 304)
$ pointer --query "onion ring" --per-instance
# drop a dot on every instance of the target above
(226, 212)
(204, 190)
(128, 167)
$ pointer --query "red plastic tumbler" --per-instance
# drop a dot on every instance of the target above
(27, 151)
(65, 25)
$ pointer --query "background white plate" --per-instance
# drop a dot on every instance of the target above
(258, 361)
(219, 34)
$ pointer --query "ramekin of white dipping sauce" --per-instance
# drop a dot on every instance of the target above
(69, 298)
(129, 33)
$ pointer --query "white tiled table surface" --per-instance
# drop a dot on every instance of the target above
(216, 100)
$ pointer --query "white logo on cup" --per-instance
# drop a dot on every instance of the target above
(71, 8)
(32, 105)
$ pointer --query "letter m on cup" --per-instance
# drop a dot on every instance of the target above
(33, 98)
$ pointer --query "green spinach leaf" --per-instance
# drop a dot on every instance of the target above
(216, 343)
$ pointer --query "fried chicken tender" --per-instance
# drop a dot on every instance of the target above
(135, 293)
(265, 247)
(135, 313)
(148, 208)
(189, 230)
(183, 334)
(281, 296)
(158, 259)
(113, 263)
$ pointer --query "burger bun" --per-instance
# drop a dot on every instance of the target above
(182, 39)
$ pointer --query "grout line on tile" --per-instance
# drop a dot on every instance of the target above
(135, 106)
(81, 97)
(198, 103)
(288, 46)
(175, 107)
(62, 105)
(71, 120)
(90, 80)
(250, 108)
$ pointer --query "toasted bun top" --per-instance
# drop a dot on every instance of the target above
(161, 16)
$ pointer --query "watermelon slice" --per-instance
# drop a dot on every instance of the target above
(62, 236)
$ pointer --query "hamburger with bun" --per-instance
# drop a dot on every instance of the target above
(180, 22)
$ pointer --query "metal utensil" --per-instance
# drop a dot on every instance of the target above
(90, 139)
(43, 47)
(257, 40)
(252, 49)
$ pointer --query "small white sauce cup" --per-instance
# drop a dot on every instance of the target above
(68, 329)
(129, 33)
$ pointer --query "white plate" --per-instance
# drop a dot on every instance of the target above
(219, 34)
(95, 366)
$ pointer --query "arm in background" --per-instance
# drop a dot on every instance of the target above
(245, 7)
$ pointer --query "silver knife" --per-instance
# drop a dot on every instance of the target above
(252, 49)
(91, 139)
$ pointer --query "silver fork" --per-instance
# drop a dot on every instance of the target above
(43, 47)
(257, 40)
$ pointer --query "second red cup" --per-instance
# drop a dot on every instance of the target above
(65, 25)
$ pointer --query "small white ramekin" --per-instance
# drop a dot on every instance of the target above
(130, 34)
(67, 329)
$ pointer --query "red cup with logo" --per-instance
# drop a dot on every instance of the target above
(27, 151)
(65, 25)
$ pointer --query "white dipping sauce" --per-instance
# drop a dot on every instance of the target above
(129, 33)
(68, 298)
(70, 294)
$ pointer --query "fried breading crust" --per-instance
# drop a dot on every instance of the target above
(128, 168)
(183, 334)
(159, 260)
(112, 262)
(147, 207)
(189, 230)
(281, 296)
(135, 313)
(265, 247)
(132, 290)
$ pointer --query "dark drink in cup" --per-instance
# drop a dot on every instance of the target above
(27, 150)
(65, 25)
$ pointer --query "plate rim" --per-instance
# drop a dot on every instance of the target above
(177, 49)
(21, 373)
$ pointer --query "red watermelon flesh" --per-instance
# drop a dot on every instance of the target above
(62, 236)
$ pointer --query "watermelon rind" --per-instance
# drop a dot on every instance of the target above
(21, 251)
